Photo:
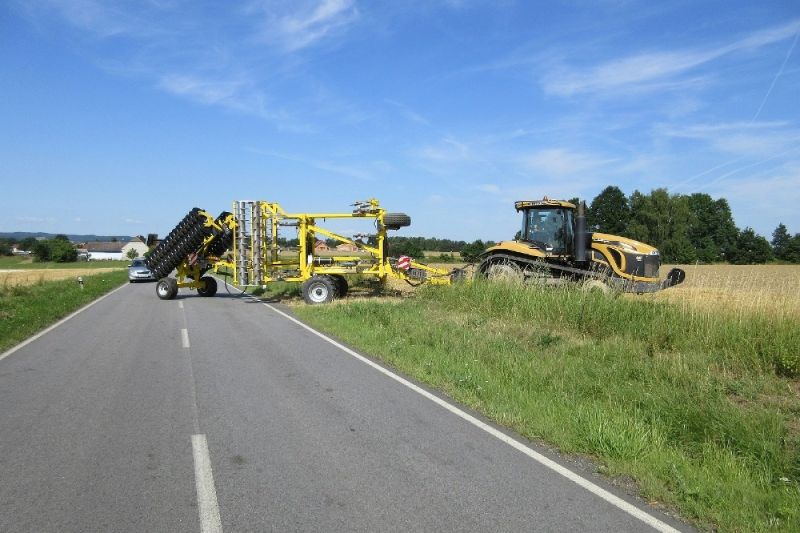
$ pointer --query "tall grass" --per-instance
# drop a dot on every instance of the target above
(26, 309)
(701, 409)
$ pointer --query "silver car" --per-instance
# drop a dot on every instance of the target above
(138, 271)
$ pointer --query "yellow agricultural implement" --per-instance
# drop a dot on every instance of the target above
(250, 243)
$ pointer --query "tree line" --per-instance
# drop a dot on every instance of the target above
(685, 228)
(688, 228)
(59, 249)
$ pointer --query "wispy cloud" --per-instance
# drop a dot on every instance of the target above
(307, 24)
(657, 69)
(756, 195)
(160, 41)
(560, 162)
(367, 172)
(447, 150)
(408, 113)
(756, 139)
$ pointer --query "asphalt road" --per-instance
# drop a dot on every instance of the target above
(209, 414)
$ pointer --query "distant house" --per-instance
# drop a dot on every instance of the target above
(103, 251)
(347, 247)
(106, 251)
(138, 244)
(16, 250)
(321, 246)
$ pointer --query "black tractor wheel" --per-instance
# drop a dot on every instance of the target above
(396, 220)
(340, 282)
(318, 290)
(210, 287)
(167, 288)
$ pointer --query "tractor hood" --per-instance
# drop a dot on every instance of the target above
(623, 244)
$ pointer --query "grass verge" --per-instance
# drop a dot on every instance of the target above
(701, 410)
(27, 309)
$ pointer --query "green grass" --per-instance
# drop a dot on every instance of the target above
(27, 309)
(20, 262)
(700, 410)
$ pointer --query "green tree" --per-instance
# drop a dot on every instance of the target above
(5, 248)
(609, 212)
(711, 231)
(132, 254)
(62, 251)
(662, 220)
(28, 244)
(41, 251)
(471, 251)
(406, 247)
(792, 253)
(61, 237)
(781, 240)
(750, 249)
(56, 250)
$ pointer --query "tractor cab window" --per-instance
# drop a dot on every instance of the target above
(550, 228)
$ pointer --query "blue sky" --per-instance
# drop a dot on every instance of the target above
(118, 117)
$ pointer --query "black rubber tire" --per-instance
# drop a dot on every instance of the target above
(167, 288)
(318, 290)
(396, 220)
(341, 285)
(210, 288)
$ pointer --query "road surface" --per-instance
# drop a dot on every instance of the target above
(222, 414)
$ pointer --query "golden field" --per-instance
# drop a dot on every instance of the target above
(737, 289)
(31, 276)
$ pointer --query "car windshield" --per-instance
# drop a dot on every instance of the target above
(138, 263)
(548, 226)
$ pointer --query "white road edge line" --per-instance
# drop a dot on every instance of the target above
(207, 505)
(185, 337)
(54, 326)
(180, 304)
(598, 491)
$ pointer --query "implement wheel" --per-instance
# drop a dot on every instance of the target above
(210, 287)
(396, 220)
(340, 282)
(167, 288)
(318, 290)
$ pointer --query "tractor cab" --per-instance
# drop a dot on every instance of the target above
(548, 225)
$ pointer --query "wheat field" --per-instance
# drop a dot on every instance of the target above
(32, 276)
(737, 289)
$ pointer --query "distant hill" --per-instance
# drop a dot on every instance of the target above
(19, 235)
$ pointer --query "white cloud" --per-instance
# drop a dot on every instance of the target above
(366, 172)
(308, 24)
(755, 139)
(447, 150)
(559, 162)
(34, 219)
(654, 70)
(764, 200)
(490, 188)
(206, 91)
(184, 53)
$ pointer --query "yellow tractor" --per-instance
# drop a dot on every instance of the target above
(554, 246)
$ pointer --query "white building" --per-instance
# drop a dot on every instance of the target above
(118, 251)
